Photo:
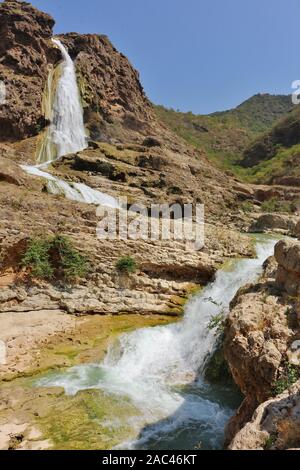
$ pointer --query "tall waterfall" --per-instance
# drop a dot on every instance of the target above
(66, 133)
(160, 370)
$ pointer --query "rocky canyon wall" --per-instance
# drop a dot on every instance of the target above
(263, 326)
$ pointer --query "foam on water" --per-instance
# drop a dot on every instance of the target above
(74, 191)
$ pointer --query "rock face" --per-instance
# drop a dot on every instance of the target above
(168, 271)
(260, 330)
(287, 255)
(112, 94)
(275, 222)
(26, 54)
(110, 87)
(275, 424)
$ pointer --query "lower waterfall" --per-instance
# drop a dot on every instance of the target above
(160, 369)
(74, 191)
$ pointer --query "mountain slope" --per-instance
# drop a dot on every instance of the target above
(225, 135)
(275, 155)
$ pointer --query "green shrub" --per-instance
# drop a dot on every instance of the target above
(70, 262)
(54, 258)
(126, 264)
(269, 442)
(36, 258)
(217, 322)
(276, 205)
(247, 206)
(289, 377)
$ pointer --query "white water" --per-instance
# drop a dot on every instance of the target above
(150, 365)
(66, 133)
(74, 191)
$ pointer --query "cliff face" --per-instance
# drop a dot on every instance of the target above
(26, 53)
(261, 329)
(113, 98)
(110, 87)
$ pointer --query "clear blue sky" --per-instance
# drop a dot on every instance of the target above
(198, 55)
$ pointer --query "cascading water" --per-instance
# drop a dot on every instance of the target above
(74, 191)
(66, 134)
(161, 369)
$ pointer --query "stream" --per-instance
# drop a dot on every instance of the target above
(157, 372)
(160, 370)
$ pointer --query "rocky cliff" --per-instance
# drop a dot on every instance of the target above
(261, 329)
(132, 154)
(26, 54)
(112, 94)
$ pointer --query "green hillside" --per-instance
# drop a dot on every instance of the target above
(225, 135)
(276, 153)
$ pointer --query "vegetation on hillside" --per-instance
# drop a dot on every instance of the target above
(225, 135)
(274, 157)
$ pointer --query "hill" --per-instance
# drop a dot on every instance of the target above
(225, 135)
(274, 157)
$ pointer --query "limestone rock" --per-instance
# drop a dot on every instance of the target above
(24, 69)
(275, 424)
(275, 222)
(287, 255)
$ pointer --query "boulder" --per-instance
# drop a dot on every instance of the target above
(274, 222)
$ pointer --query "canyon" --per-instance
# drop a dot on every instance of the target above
(123, 149)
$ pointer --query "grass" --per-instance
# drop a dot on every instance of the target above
(247, 207)
(284, 163)
(277, 205)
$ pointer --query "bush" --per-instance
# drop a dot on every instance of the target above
(126, 264)
(71, 263)
(217, 322)
(37, 259)
(289, 377)
(54, 258)
(247, 207)
(276, 205)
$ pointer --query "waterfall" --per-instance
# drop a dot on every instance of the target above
(66, 133)
(161, 369)
(73, 191)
